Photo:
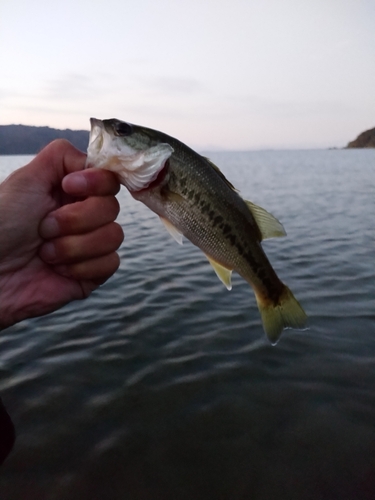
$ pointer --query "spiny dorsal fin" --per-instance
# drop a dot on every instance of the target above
(220, 173)
(222, 272)
(269, 226)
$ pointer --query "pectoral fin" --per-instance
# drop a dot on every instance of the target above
(268, 225)
(173, 197)
(173, 231)
(223, 273)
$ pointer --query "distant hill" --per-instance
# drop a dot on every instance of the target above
(364, 140)
(23, 139)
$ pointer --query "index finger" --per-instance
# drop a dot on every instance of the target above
(91, 182)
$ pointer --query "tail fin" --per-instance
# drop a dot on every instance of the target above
(287, 313)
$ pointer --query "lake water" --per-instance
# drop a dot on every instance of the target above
(162, 385)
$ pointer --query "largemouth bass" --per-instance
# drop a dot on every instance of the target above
(193, 198)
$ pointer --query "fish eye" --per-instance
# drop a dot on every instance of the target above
(123, 129)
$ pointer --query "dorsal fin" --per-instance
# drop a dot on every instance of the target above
(269, 226)
(220, 173)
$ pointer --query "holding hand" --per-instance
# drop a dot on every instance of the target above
(58, 238)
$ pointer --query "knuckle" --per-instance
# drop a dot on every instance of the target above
(118, 233)
(68, 248)
(109, 206)
(68, 218)
(115, 205)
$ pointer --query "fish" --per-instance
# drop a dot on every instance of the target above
(194, 199)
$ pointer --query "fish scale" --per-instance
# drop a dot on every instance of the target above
(194, 199)
(213, 230)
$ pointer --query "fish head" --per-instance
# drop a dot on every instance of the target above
(134, 153)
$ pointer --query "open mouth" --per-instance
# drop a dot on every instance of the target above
(96, 136)
(137, 168)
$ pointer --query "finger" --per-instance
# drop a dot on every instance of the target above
(97, 270)
(80, 217)
(91, 182)
(55, 161)
(81, 247)
(47, 169)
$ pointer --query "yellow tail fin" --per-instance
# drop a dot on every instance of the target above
(288, 313)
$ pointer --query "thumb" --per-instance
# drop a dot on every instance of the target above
(55, 161)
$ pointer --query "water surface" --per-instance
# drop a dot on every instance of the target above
(162, 384)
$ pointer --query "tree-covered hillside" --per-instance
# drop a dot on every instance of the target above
(24, 139)
(364, 140)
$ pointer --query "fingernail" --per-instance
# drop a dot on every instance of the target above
(49, 228)
(75, 183)
(49, 252)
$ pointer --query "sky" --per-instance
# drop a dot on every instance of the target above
(216, 74)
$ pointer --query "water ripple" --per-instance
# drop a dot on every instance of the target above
(163, 385)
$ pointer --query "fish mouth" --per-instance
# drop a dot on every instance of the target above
(96, 136)
(136, 168)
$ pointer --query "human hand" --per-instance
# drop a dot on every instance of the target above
(58, 238)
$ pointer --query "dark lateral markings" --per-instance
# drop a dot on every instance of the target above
(183, 182)
(218, 220)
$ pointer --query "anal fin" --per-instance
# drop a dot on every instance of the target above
(222, 272)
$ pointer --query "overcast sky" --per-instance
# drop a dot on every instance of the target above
(228, 74)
